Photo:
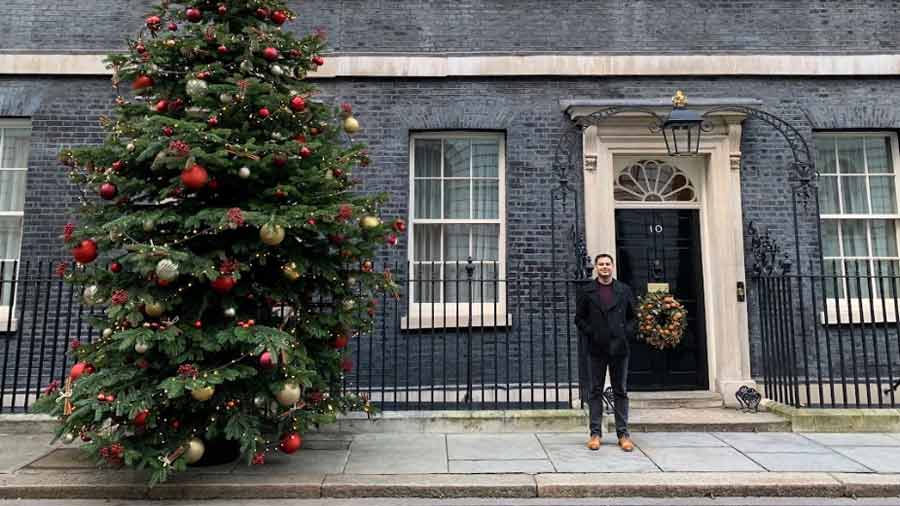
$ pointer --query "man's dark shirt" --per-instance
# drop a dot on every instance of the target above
(606, 294)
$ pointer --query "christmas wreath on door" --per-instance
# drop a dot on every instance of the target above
(662, 320)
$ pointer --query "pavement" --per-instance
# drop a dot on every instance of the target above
(501, 465)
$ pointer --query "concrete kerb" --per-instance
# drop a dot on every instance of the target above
(837, 420)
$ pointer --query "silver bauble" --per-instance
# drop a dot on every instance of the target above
(226, 98)
(89, 295)
(246, 66)
(349, 304)
(130, 146)
(107, 332)
(166, 270)
(277, 70)
(244, 172)
(194, 450)
(259, 401)
(288, 395)
(196, 87)
(230, 312)
(141, 347)
(68, 437)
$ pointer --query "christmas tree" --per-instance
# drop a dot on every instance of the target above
(220, 230)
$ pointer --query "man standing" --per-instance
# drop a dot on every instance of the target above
(605, 318)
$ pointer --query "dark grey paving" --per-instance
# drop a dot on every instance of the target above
(494, 446)
(880, 459)
(808, 462)
(569, 454)
(398, 454)
(531, 466)
(701, 459)
(843, 439)
(305, 461)
(770, 442)
(675, 439)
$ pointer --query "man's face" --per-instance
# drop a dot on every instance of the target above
(604, 267)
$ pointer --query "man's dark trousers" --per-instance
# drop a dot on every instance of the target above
(618, 376)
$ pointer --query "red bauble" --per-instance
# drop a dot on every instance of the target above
(222, 9)
(115, 267)
(142, 81)
(153, 23)
(108, 191)
(305, 152)
(318, 60)
(266, 361)
(222, 50)
(223, 284)
(162, 106)
(168, 131)
(300, 139)
(279, 160)
(263, 113)
(336, 239)
(347, 364)
(262, 13)
(279, 17)
(85, 252)
(391, 239)
(118, 165)
(338, 173)
(175, 424)
(173, 27)
(195, 177)
(297, 103)
(340, 342)
(142, 363)
(212, 121)
(280, 194)
(140, 48)
(176, 104)
(198, 324)
(163, 282)
(79, 369)
(140, 419)
(270, 53)
(203, 74)
(291, 442)
(193, 15)
(399, 225)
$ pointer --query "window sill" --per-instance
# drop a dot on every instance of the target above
(7, 324)
(453, 321)
(858, 311)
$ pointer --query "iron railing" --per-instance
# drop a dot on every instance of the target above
(829, 340)
(461, 335)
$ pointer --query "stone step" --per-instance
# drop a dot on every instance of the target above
(702, 420)
(689, 399)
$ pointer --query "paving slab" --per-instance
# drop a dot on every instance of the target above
(424, 485)
(879, 459)
(675, 439)
(779, 442)
(304, 461)
(569, 455)
(18, 450)
(688, 485)
(845, 439)
(808, 462)
(494, 446)
(65, 459)
(870, 485)
(398, 453)
(531, 466)
(701, 460)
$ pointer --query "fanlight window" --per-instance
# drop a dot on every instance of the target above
(653, 181)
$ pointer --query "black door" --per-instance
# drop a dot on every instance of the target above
(663, 246)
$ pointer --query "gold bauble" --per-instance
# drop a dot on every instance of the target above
(194, 450)
(170, 42)
(369, 222)
(204, 393)
(351, 126)
(271, 235)
(289, 394)
(290, 271)
(153, 309)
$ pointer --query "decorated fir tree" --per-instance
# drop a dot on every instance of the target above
(220, 230)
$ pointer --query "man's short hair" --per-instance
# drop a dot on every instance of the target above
(604, 255)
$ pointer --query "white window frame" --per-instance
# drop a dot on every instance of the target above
(8, 321)
(845, 309)
(449, 315)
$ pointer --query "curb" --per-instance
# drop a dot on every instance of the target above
(129, 485)
(837, 420)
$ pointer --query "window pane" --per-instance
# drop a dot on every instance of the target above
(883, 199)
(825, 161)
(427, 243)
(456, 242)
(828, 195)
(12, 190)
(428, 158)
(456, 199)
(485, 199)
(484, 287)
(830, 238)
(857, 279)
(854, 193)
(834, 283)
(890, 272)
(485, 158)
(456, 158)
(426, 283)
(854, 232)
(878, 155)
(850, 155)
(10, 237)
(884, 238)
(485, 242)
(16, 144)
(428, 198)
(456, 283)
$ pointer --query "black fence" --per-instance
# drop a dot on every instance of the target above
(461, 335)
(830, 340)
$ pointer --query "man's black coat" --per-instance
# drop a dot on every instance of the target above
(606, 330)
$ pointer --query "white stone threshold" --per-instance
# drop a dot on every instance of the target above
(480, 65)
